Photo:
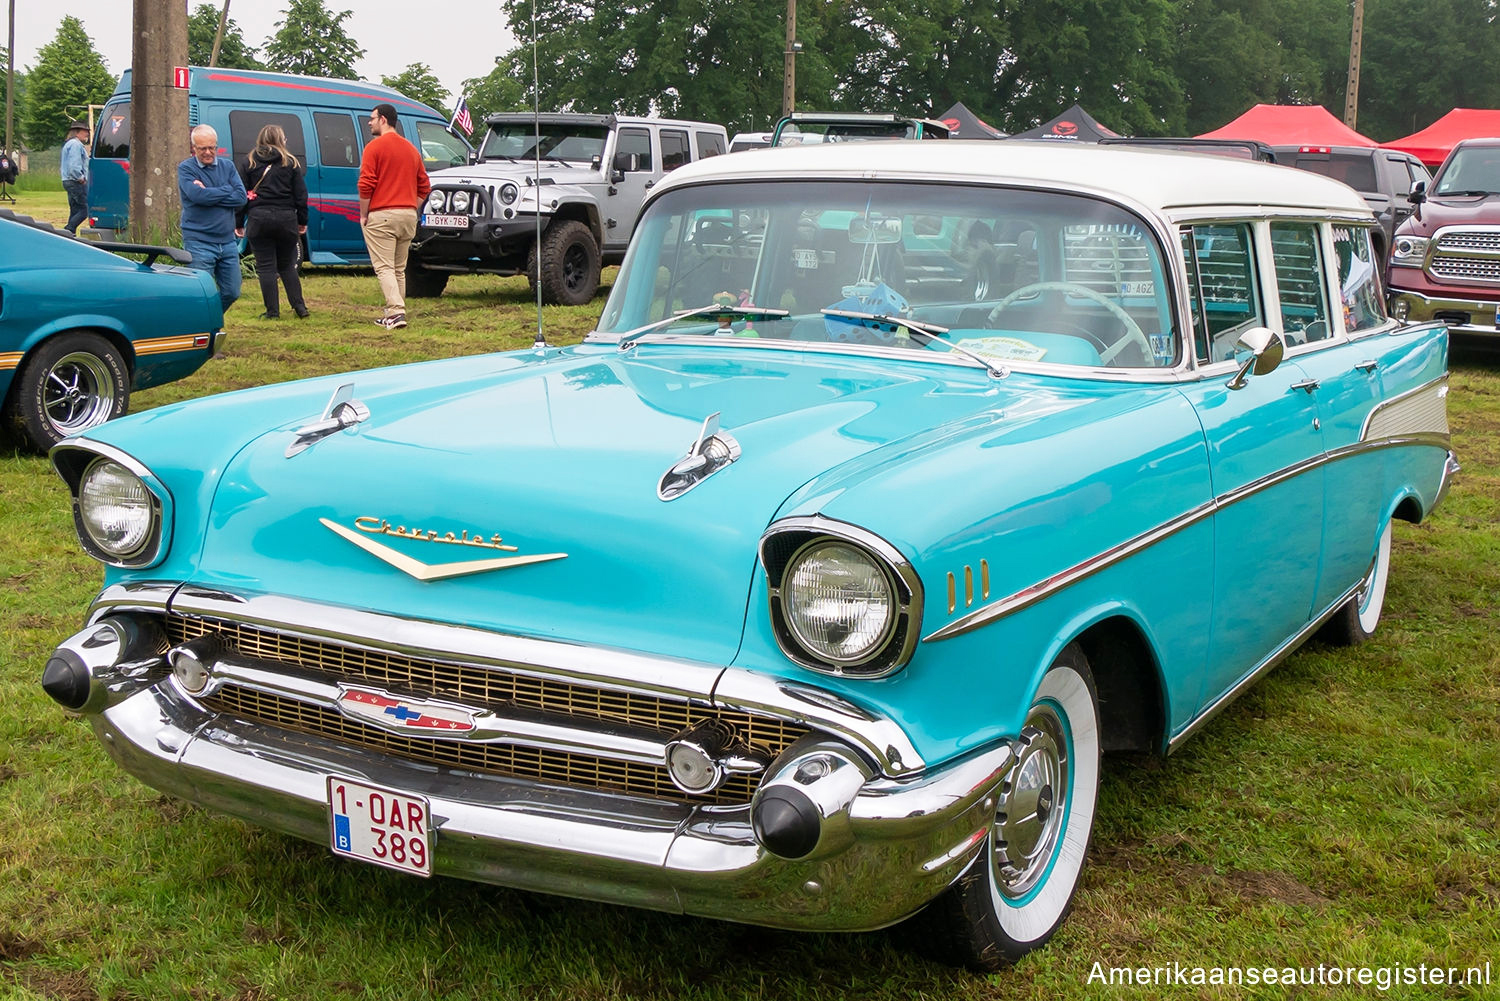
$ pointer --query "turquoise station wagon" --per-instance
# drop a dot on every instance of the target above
(888, 494)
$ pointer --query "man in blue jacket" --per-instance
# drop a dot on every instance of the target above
(211, 192)
(75, 174)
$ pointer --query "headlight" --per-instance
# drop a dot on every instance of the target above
(509, 193)
(1409, 251)
(435, 202)
(460, 202)
(840, 603)
(116, 511)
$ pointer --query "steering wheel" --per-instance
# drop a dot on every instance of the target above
(1133, 332)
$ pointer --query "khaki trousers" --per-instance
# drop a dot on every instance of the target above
(388, 236)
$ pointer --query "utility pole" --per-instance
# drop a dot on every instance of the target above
(1351, 88)
(158, 117)
(789, 81)
(10, 81)
(213, 60)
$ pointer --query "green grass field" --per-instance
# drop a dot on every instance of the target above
(1346, 812)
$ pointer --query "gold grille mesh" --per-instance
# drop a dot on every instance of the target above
(479, 687)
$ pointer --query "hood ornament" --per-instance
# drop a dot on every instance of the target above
(343, 411)
(367, 526)
(713, 450)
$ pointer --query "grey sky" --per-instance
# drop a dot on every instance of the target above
(444, 34)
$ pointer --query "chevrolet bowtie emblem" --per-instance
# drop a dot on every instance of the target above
(431, 571)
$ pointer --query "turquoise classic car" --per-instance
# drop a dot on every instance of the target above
(896, 484)
(80, 327)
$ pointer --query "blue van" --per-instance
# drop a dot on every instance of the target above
(325, 127)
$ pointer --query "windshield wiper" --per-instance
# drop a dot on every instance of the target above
(712, 309)
(1464, 194)
(931, 331)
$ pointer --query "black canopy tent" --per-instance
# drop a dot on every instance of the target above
(1073, 125)
(964, 124)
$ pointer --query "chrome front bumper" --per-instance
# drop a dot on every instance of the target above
(1423, 309)
(887, 846)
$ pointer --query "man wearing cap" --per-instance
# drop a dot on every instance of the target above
(75, 175)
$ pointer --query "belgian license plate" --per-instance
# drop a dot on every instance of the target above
(445, 221)
(1497, 317)
(379, 825)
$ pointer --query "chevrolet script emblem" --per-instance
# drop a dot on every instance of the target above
(366, 526)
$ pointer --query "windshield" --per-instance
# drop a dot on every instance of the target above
(521, 141)
(797, 133)
(1473, 169)
(1013, 275)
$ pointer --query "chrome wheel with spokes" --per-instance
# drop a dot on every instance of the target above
(70, 383)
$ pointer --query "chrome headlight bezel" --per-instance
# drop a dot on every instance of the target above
(508, 193)
(787, 544)
(1409, 251)
(76, 461)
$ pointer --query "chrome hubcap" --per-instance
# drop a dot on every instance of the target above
(79, 393)
(1029, 824)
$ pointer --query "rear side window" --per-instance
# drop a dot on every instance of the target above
(1359, 280)
(113, 139)
(244, 126)
(709, 144)
(338, 139)
(674, 149)
(1222, 290)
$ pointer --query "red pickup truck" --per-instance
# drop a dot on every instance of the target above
(1445, 258)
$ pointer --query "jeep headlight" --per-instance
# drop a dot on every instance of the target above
(843, 601)
(509, 193)
(1409, 251)
(460, 202)
(116, 511)
(435, 202)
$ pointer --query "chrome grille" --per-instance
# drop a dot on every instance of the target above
(1476, 269)
(1488, 240)
(1467, 255)
(479, 687)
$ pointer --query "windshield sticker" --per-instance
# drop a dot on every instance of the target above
(1004, 348)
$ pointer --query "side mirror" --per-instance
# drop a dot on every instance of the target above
(627, 162)
(1266, 350)
(1418, 193)
(473, 156)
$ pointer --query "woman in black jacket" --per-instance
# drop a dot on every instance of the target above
(274, 217)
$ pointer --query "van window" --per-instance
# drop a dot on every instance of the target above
(244, 126)
(709, 144)
(674, 149)
(338, 139)
(439, 148)
(112, 141)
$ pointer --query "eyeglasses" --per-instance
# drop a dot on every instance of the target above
(205, 149)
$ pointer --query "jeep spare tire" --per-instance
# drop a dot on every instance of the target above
(569, 264)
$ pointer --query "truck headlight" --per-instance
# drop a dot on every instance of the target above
(509, 193)
(460, 202)
(435, 202)
(842, 600)
(1409, 251)
(116, 511)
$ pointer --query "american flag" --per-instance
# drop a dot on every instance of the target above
(461, 116)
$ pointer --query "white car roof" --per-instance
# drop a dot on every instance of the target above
(1164, 180)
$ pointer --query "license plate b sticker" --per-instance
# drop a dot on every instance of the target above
(381, 826)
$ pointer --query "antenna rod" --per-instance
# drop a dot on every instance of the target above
(536, 119)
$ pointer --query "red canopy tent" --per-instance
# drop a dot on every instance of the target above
(1290, 125)
(1432, 144)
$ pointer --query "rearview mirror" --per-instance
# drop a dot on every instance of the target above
(875, 230)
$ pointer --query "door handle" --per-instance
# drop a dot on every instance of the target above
(1307, 384)
(1368, 365)
(651, 184)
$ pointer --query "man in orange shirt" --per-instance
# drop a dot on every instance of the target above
(392, 184)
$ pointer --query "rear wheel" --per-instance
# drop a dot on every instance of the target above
(1355, 622)
(1017, 892)
(72, 382)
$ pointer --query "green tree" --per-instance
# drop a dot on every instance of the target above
(1420, 61)
(69, 75)
(418, 83)
(7, 142)
(498, 90)
(310, 40)
(203, 25)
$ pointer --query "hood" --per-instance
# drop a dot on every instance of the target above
(545, 470)
(1441, 210)
(519, 171)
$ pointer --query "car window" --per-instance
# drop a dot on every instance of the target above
(1355, 170)
(1016, 275)
(112, 140)
(338, 138)
(638, 142)
(439, 147)
(245, 126)
(674, 149)
(1297, 258)
(1359, 279)
(1222, 288)
(709, 144)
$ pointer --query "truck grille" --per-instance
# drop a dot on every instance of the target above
(479, 687)
(1467, 256)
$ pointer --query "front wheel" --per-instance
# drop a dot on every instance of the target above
(72, 382)
(1017, 892)
(424, 284)
(1355, 622)
(568, 264)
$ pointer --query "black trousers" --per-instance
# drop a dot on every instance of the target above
(272, 234)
